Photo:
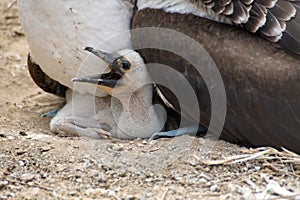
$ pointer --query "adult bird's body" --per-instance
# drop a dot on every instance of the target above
(262, 81)
(57, 32)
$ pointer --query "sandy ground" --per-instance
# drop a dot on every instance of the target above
(36, 164)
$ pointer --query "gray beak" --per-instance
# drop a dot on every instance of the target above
(109, 79)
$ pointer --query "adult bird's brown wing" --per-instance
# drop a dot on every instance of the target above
(43, 80)
(275, 20)
(262, 81)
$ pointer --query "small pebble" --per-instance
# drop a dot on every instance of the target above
(257, 168)
(21, 163)
(203, 180)
(214, 188)
(79, 180)
(23, 133)
(27, 177)
(3, 184)
(21, 151)
(10, 138)
(117, 147)
(74, 193)
(46, 148)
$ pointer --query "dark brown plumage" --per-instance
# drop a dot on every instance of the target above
(275, 20)
(262, 81)
(43, 81)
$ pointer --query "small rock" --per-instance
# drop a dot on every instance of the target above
(10, 138)
(23, 133)
(21, 151)
(21, 163)
(257, 168)
(27, 177)
(177, 177)
(18, 31)
(79, 180)
(193, 162)
(123, 173)
(74, 193)
(44, 176)
(117, 147)
(2, 135)
(46, 148)
(203, 180)
(72, 160)
(148, 180)
(3, 184)
(214, 188)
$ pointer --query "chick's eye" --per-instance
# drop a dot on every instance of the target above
(126, 65)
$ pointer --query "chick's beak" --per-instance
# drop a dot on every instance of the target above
(106, 80)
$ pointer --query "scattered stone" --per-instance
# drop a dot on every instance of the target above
(10, 138)
(23, 133)
(2, 135)
(214, 188)
(79, 180)
(18, 31)
(3, 184)
(74, 194)
(193, 162)
(21, 151)
(117, 147)
(27, 177)
(46, 148)
(21, 163)
(203, 180)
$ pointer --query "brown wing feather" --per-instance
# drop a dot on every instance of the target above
(291, 37)
(269, 18)
(272, 27)
(43, 81)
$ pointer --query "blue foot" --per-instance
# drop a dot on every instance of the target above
(50, 114)
(192, 130)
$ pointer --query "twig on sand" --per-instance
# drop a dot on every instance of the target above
(164, 194)
(265, 153)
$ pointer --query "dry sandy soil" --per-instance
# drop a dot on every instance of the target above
(36, 164)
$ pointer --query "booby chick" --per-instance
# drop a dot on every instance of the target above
(130, 113)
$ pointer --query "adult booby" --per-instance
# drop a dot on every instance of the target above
(57, 32)
(262, 81)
